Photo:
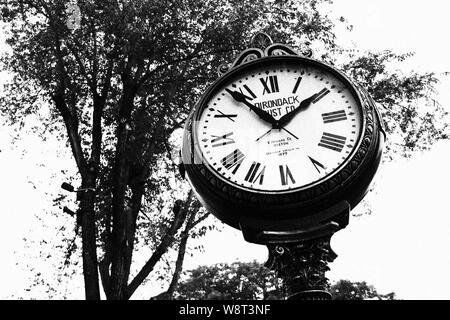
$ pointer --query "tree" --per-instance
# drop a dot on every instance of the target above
(347, 290)
(238, 281)
(413, 118)
(117, 81)
(253, 281)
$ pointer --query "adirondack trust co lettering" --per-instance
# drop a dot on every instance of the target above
(227, 309)
(278, 107)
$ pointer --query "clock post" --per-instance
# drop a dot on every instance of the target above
(302, 266)
(282, 147)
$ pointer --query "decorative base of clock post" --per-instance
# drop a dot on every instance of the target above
(302, 266)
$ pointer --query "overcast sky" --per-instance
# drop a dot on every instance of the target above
(403, 246)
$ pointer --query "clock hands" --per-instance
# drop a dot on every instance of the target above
(289, 133)
(270, 130)
(265, 134)
(279, 124)
(284, 120)
(239, 97)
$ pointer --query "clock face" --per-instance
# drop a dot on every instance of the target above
(279, 128)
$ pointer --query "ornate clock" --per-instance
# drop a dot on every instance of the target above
(282, 143)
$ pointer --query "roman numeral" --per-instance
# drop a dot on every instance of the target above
(234, 159)
(297, 84)
(334, 116)
(321, 94)
(285, 175)
(253, 175)
(317, 164)
(223, 115)
(219, 141)
(332, 142)
(271, 81)
(247, 89)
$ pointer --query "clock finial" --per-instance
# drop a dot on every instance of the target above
(261, 40)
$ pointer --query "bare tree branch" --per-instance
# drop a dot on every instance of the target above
(166, 241)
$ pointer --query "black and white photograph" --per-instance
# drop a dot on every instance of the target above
(253, 153)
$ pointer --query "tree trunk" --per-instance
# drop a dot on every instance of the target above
(87, 200)
(90, 271)
(119, 277)
(121, 214)
(180, 258)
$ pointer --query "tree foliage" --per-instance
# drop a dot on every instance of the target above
(237, 281)
(413, 119)
(253, 281)
(347, 290)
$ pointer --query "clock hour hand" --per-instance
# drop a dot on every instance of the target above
(239, 97)
(284, 120)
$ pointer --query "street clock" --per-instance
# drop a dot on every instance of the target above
(281, 143)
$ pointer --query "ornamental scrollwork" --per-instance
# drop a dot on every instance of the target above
(302, 267)
(261, 40)
(269, 49)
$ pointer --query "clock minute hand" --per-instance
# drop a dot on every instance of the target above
(284, 120)
(239, 97)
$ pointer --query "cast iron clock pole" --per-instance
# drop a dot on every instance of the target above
(282, 147)
(302, 266)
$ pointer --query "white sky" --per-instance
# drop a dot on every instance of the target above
(403, 246)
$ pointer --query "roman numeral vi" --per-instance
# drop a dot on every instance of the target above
(286, 175)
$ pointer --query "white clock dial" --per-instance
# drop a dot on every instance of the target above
(251, 151)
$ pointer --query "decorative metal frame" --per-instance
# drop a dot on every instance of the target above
(240, 207)
(251, 54)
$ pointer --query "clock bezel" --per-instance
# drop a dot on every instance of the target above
(233, 74)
